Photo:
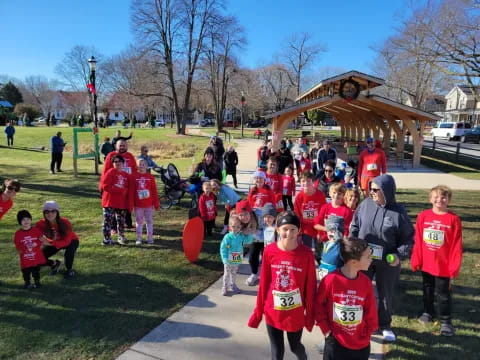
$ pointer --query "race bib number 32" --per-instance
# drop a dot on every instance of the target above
(286, 300)
(347, 314)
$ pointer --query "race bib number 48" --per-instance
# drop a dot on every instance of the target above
(286, 300)
(347, 314)
(433, 238)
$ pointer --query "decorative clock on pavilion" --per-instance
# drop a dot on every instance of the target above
(349, 90)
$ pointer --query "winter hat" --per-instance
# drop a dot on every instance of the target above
(259, 174)
(242, 206)
(326, 142)
(51, 205)
(22, 214)
(335, 223)
(269, 209)
(208, 150)
(288, 217)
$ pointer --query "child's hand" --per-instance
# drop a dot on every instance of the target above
(46, 241)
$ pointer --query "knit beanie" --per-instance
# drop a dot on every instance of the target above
(269, 209)
(23, 214)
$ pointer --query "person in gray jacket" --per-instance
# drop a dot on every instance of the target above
(385, 225)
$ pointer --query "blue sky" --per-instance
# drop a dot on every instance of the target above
(36, 34)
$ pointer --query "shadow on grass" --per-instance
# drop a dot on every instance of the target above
(173, 330)
(64, 190)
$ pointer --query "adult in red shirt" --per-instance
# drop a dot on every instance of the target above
(287, 289)
(308, 203)
(60, 236)
(372, 162)
(10, 188)
(117, 197)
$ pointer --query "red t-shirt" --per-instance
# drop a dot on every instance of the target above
(275, 182)
(207, 206)
(145, 191)
(58, 241)
(5, 206)
(343, 211)
(307, 209)
(29, 246)
(438, 244)
(288, 185)
(130, 165)
(258, 197)
(347, 308)
(117, 190)
(372, 164)
(305, 165)
(287, 289)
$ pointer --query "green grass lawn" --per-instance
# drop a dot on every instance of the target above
(120, 293)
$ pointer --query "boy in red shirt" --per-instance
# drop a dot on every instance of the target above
(289, 188)
(145, 200)
(307, 206)
(438, 254)
(28, 241)
(345, 305)
(207, 206)
(275, 182)
(287, 289)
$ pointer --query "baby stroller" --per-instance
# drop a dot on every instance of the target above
(174, 187)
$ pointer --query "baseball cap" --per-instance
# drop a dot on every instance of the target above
(369, 140)
(326, 142)
(259, 174)
(242, 206)
(288, 218)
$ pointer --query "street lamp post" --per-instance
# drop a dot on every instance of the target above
(242, 112)
(93, 66)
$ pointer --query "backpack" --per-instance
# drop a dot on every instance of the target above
(264, 154)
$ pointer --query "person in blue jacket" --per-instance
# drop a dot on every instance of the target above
(331, 259)
(9, 131)
(56, 147)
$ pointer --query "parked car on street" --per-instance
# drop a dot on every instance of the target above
(472, 135)
(206, 122)
(159, 123)
(450, 130)
(231, 123)
(256, 123)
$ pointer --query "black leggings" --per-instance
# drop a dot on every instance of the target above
(34, 271)
(69, 255)
(440, 286)
(254, 256)
(277, 344)
(287, 200)
(208, 226)
(333, 350)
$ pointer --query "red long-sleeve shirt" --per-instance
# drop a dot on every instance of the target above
(307, 209)
(305, 164)
(287, 289)
(288, 185)
(258, 197)
(129, 166)
(145, 191)
(5, 206)
(29, 246)
(275, 182)
(207, 206)
(372, 164)
(57, 240)
(117, 190)
(328, 209)
(347, 308)
(438, 244)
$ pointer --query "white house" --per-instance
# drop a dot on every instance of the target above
(462, 106)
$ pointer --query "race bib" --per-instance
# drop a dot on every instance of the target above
(377, 251)
(235, 257)
(309, 214)
(286, 300)
(371, 167)
(143, 194)
(433, 238)
(321, 273)
(347, 314)
(127, 169)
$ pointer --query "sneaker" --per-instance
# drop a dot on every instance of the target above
(224, 291)
(425, 319)
(122, 241)
(27, 285)
(447, 329)
(107, 242)
(37, 284)
(69, 274)
(252, 280)
(225, 230)
(150, 241)
(51, 172)
(59, 170)
(55, 267)
(389, 335)
(236, 290)
(138, 242)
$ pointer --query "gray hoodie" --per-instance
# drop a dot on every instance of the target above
(388, 226)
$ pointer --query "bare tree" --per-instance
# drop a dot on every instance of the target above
(277, 85)
(299, 55)
(39, 90)
(175, 31)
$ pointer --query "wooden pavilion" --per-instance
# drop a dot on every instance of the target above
(359, 113)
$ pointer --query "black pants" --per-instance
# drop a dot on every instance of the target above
(9, 140)
(256, 248)
(287, 200)
(34, 271)
(277, 344)
(56, 161)
(208, 226)
(234, 177)
(128, 220)
(440, 286)
(69, 254)
(333, 350)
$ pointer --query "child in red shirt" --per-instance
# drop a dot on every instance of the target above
(145, 200)
(28, 241)
(288, 189)
(275, 181)
(345, 304)
(287, 289)
(10, 188)
(438, 254)
(207, 206)
(305, 163)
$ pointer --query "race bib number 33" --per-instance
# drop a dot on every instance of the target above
(286, 300)
(347, 314)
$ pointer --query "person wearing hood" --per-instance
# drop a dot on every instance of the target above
(208, 168)
(385, 225)
(231, 161)
(372, 162)
(284, 157)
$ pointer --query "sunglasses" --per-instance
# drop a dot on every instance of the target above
(12, 188)
(49, 211)
(375, 190)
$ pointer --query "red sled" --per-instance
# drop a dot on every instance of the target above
(192, 239)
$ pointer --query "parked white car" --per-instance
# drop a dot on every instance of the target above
(450, 130)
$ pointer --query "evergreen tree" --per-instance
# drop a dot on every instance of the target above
(11, 93)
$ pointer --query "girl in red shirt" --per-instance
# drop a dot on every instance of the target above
(288, 188)
(305, 163)
(28, 241)
(10, 188)
(145, 200)
(287, 289)
(274, 181)
(207, 206)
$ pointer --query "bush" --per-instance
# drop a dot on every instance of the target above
(32, 111)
